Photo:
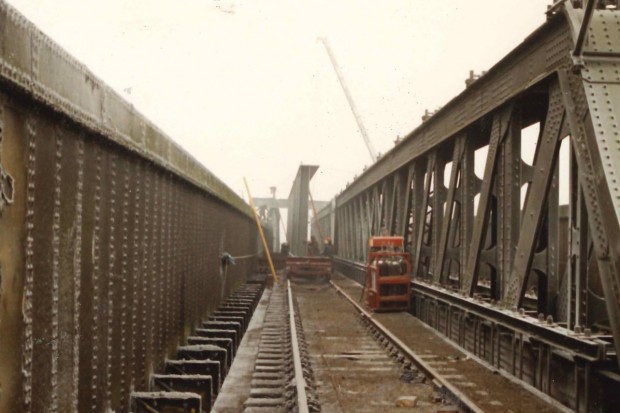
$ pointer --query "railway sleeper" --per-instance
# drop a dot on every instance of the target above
(219, 333)
(232, 313)
(247, 295)
(225, 343)
(165, 402)
(205, 352)
(202, 367)
(224, 325)
(235, 307)
(241, 301)
(194, 383)
(230, 318)
(238, 301)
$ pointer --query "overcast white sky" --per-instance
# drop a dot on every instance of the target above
(246, 88)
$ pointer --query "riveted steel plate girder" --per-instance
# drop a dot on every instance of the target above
(110, 235)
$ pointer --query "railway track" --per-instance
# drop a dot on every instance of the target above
(341, 359)
(453, 394)
(460, 377)
(334, 362)
(282, 380)
(356, 368)
(347, 361)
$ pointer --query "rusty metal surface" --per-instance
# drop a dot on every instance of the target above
(110, 235)
(502, 268)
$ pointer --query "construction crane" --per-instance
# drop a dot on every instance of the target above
(358, 119)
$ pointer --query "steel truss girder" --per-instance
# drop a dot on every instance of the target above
(503, 241)
(110, 243)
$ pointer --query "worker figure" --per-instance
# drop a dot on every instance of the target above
(285, 249)
(328, 248)
(313, 247)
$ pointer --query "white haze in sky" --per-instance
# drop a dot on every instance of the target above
(247, 89)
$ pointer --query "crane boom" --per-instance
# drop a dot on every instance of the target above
(358, 119)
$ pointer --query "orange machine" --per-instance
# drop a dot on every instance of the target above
(387, 275)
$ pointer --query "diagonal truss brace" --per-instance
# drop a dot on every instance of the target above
(536, 199)
(498, 132)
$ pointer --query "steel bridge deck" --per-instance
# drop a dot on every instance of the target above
(111, 235)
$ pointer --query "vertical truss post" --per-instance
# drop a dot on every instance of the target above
(359, 219)
(422, 210)
(351, 231)
(466, 198)
(347, 232)
(341, 232)
(394, 204)
(375, 211)
(437, 202)
(509, 202)
(552, 260)
(417, 216)
(337, 230)
(578, 255)
(405, 215)
(387, 189)
(363, 207)
(457, 154)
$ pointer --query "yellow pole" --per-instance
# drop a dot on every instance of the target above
(260, 231)
(283, 227)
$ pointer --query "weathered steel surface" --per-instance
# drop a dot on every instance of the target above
(298, 204)
(110, 235)
(530, 286)
(269, 211)
(323, 223)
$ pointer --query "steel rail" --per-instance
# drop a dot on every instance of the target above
(466, 403)
(300, 381)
